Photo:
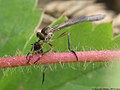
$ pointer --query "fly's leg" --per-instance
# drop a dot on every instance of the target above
(69, 45)
(28, 56)
(45, 67)
(69, 48)
(51, 47)
(42, 53)
(43, 73)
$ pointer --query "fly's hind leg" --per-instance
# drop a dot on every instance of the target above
(69, 43)
(69, 47)
(43, 73)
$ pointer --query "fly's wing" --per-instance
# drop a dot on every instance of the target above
(77, 20)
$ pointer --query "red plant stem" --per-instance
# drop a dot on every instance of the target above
(88, 56)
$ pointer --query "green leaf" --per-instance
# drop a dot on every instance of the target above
(18, 21)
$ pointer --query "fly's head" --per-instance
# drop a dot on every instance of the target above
(45, 34)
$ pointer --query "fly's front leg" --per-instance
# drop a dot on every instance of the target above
(36, 49)
(28, 56)
(42, 53)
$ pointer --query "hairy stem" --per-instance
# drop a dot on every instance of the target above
(65, 57)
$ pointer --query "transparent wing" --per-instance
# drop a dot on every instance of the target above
(77, 20)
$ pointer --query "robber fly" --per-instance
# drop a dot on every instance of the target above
(45, 35)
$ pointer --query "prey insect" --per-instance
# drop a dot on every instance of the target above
(45, 35)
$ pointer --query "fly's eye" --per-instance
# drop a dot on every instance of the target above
(44, 30)
(41, 36)
(38, 34)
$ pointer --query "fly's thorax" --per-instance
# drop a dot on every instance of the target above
(36, 46)
(48, 36)
(44, 34)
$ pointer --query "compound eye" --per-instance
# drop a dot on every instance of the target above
(44, 30)
(40, 36)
